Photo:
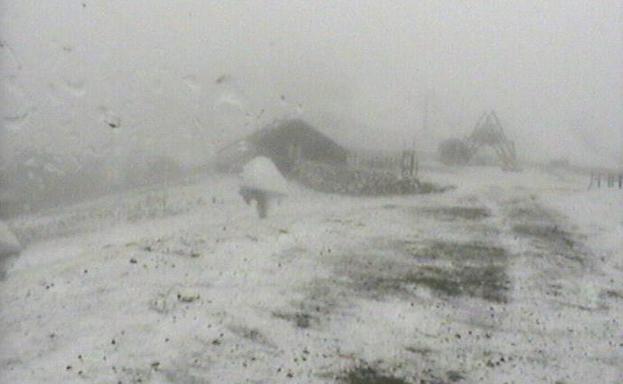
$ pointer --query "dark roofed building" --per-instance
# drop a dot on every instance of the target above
(285, 143)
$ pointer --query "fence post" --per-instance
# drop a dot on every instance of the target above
(598, 180)
(407, 164)
(590, 183)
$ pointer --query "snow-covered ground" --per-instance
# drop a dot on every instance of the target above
(511, 277)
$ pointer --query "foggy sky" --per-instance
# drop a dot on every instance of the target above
(361, 70)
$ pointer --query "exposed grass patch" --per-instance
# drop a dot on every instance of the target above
(553, 238)
(450, 269)
(299, 319)
(527, 212)
(390, 206)
(455, 376)
(321, 298)
(369, 375)
(454, 251)
(251, 334)
(612, 294)
(547, 232)
(457, 212)
(487, 282)
(419, 350)
(540, 227)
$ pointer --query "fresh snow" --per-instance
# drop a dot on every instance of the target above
(186, 285)
(261, 173)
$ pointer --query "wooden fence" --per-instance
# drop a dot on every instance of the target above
(606, 180)
(403, 164)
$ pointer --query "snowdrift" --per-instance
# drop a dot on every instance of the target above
(261, 173)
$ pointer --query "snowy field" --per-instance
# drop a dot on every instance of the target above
(509, 278)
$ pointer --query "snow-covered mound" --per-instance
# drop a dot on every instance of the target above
(262, 173)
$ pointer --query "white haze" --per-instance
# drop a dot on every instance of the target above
(184, 78)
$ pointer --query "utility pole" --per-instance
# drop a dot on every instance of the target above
(424, 128)
(425, 115)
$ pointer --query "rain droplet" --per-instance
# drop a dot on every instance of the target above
(17, 107)
(74, 86)
(15, 122)
(191, 82)
(229, 100)
(224, 78)
(110, 119)
(299, 109)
